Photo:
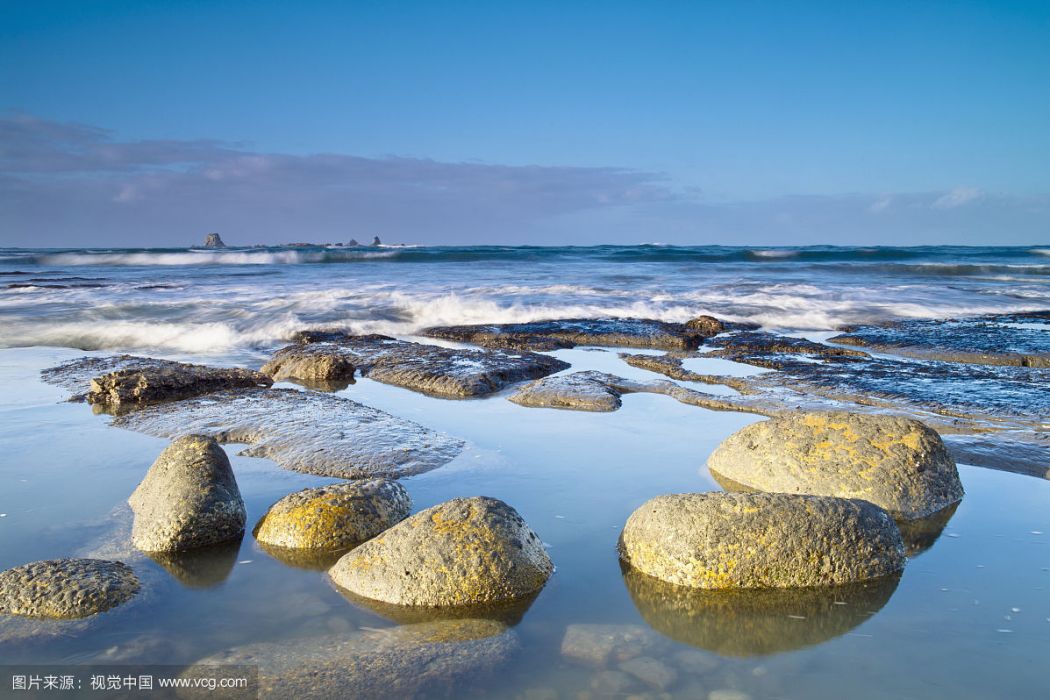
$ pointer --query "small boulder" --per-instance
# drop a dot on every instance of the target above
(897, 463)
(338, 516)
(467, 551)
(707, 326)
(66, 588)
(313, 369)
(760, 540)
(188, 499)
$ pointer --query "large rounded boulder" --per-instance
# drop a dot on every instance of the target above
(338, 516)
(66, 588)
(760, 540)
(188, 499)
(897, 463)
(467, 551)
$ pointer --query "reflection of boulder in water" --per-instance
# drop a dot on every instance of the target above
(918, 534)
(302, 558)
(508, 613)
(200, 568)
(755, 622)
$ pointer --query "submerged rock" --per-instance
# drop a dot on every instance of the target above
(434, 659)
(1021, 340)
(568, 333)
(125, 381)
(896, 463)
(188, 499)
(756, 622)
(66, 588)
(602, 644)
(760, 540)
(430, 369)
(303, 431)
(467, 551)
(338, 516)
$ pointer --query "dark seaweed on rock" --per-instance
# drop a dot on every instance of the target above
(755, 622)
(568, 333)
(429, 369)
(1005, 339)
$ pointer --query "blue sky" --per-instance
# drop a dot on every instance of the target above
(734, 122)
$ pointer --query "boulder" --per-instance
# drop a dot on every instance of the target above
(707, 326)
(721, 540)
(338, 516)
(897, 463)
(66, 588)
(328, 371)
(467, 551)
(188, 499)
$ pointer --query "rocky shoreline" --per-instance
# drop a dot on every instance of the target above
(825, 501)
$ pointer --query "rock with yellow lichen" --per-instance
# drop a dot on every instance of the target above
(897, 463)
(332, 517)
(467, 551)
(721, 540)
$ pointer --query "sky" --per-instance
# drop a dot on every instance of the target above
(142, 123)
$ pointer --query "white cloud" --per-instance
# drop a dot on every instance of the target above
(957, 197)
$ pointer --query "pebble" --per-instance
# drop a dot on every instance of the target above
(651, 671)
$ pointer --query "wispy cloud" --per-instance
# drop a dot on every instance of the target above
(72, 184)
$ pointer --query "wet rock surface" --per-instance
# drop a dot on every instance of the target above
(755, 622)
(338, 516)
(303, 431)
(568, 333)
(598, 391)
(66, 588)
(467, 551)
(1006, 339)
(896, 463)
(188, 499)
(760, 540)
(767, 349)
(125, 382)
(430, 369)
(989, 415)
(435, 659)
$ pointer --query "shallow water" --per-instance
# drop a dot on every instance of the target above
(969, 618)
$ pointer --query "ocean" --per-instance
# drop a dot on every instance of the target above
(220, 302)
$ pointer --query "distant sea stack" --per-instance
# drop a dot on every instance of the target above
(212, 240)
(376, 242)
